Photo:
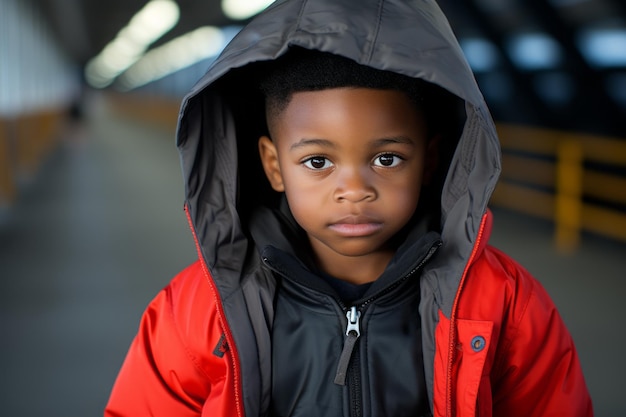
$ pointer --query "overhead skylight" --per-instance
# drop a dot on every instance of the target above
(535, 51)
(203, 43)
(155, 19)
(243, 9)
(481, 54)
(604, 47)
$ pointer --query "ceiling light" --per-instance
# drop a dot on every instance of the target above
(155, 19)
(179, 53)
(604, 47)
(243, 9)
(481, 54)
(535, 51)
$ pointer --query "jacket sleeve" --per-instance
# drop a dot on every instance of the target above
(537, 367)
(170, 368)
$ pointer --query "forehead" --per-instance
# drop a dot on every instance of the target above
(348, 111)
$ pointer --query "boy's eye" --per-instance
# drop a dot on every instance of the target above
(387, 160)
(317, 162)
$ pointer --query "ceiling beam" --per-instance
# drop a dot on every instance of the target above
(69, 22)
(598, 109)
(527, 102)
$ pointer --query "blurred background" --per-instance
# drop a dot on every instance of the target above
(91, 217)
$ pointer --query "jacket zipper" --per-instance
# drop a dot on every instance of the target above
(353, 315)
(355, 391)
(347, 368)
(238, 389)
(353, 332)
(349, 360)
(452, 332)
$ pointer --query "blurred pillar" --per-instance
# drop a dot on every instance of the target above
(7, 179)
(38, 83)
(568, 207)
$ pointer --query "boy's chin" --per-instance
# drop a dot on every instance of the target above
(357, 248)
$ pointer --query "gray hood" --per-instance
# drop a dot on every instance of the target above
(222, 118)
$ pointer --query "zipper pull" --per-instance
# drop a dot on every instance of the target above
(352, 332)
(353, 316)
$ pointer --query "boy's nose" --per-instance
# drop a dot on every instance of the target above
(354, 186)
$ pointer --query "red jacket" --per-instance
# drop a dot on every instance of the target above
(492, 340)
(503, 352)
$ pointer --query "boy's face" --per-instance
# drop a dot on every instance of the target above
(351, 162)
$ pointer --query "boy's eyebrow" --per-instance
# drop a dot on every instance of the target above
(403, 140)
(308, 142)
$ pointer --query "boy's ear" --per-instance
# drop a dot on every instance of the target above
(431, 161)
(269, 160)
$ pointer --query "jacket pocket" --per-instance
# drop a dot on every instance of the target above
(470, 386)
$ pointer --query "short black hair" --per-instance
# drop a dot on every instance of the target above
(302, 69)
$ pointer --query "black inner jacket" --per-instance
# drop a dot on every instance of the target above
(309, 327)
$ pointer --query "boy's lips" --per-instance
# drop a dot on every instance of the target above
(356, 226)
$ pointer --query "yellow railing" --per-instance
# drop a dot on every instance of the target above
(547, 173)
(25, 141)
(544, 173)
(161, 111)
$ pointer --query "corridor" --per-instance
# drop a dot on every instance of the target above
(101, 229)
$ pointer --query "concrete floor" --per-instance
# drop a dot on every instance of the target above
(101, 230)
(589, 288)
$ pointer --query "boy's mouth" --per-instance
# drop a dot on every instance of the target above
(356, 226)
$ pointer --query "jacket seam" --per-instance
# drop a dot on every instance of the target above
(507, 346)
(370, 53)
(287, 36)
(188, 351)
(301, 13)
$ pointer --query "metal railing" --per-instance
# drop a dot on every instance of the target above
(25, 141)
(575, 180)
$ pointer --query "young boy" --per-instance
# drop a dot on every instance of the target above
(338, 197)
